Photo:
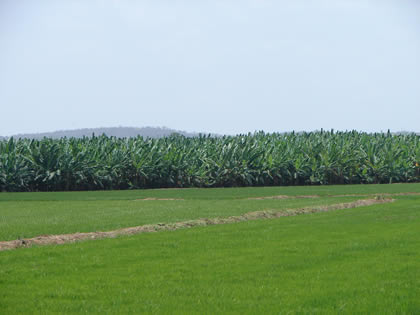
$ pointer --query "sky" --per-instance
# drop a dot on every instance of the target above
(216, 66)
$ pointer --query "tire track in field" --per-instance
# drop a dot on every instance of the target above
(255, 215)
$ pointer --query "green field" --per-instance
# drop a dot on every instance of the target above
(361, 260)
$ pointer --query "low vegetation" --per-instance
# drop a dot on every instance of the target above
(352, 261)
(25, 215)
(245, 160)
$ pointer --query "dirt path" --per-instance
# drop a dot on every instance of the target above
(266, 214)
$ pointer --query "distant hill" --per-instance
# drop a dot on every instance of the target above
(125, 132)
(120, 132)
(406, 133)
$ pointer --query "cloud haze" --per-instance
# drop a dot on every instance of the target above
(215, 66)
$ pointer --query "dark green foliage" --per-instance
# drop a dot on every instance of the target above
(244, 160)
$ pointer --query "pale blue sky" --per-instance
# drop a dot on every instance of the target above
(214, 66)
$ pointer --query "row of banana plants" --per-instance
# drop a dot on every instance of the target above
(257, 159)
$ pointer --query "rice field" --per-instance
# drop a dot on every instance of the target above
(361, 259)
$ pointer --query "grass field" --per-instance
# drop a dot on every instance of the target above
(361, 260)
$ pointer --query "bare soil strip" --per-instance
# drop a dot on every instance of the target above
(379, 194)
(344, 195)
(152, 198)
(284, 197)
(298, 196)
(256, 215)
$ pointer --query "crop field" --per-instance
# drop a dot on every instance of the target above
(258, 159)
(314, 249)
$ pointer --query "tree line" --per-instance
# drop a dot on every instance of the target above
(258, 159)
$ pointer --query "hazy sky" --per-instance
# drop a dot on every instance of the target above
(215, 66)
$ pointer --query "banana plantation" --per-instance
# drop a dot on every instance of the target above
(317, 158)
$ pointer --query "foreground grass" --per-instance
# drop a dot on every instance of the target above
(28, 219)
(364, 260)
(210, 193)
(24, 215)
